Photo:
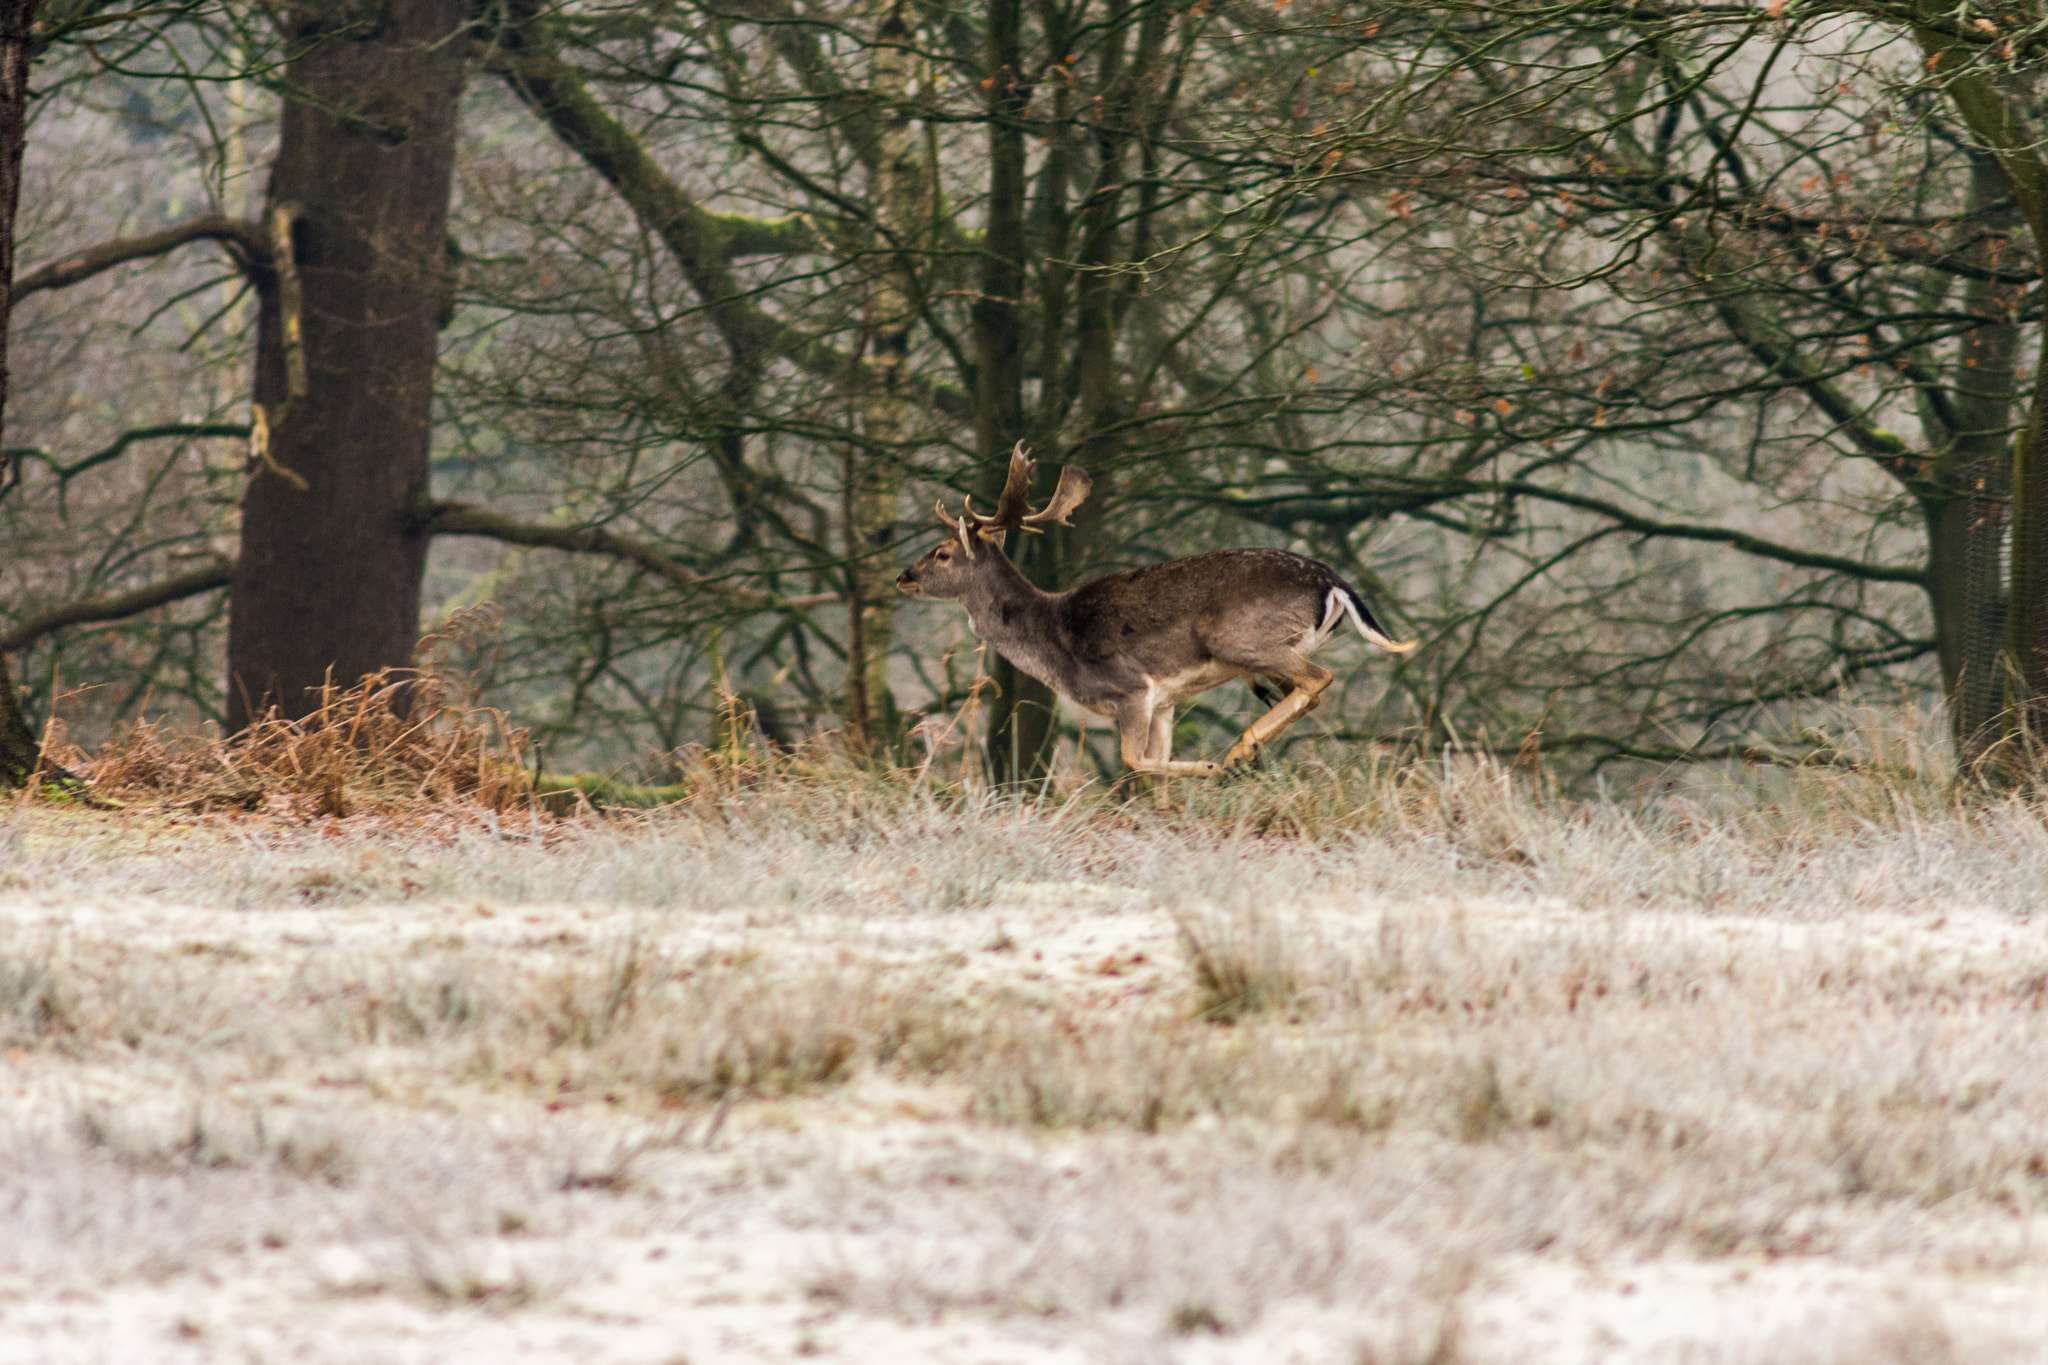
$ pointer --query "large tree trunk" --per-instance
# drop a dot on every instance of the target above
(18, 746)
(2026, 640)
(328, 582)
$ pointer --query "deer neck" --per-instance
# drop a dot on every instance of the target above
(1012, 613)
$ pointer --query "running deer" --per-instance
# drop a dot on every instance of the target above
(1130, 645)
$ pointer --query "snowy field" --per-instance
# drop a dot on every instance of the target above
(877, 1077)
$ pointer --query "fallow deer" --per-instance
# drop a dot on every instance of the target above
(1130, 645)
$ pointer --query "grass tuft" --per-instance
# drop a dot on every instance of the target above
(1241, 963)
(202, 1134)
(37, 1002)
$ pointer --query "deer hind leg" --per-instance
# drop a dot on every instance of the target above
(1146, 735)
(1160, 747)
(1308, 682)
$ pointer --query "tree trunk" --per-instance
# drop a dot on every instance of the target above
(1995, 117)
(19, 748)
(328, 582)
(1021, 718)
(2026, 639)
(874, 473)
(18, 745)
(1966, 511)
(1128, 89)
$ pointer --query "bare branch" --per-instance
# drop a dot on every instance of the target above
(462, 519)
(1411, 495)
(216, 573)
(1719, 535)
(118, 447)
(702, 243)
(245, 240)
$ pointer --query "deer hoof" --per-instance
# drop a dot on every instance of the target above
(1242, 753)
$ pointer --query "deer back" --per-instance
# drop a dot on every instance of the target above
(1233, 607)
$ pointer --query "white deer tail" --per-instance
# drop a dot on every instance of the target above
(1361, 616)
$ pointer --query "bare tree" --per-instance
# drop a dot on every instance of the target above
(1646, 238)
(1660, 367)
(348, 259)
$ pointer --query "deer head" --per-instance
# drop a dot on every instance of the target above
(976, 540)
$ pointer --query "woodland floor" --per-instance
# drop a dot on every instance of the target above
(890, 1078)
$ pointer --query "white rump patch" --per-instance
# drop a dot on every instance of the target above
(1334, 607)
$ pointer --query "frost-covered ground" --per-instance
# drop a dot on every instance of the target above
(880, 1078)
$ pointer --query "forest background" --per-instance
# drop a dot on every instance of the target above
(1668, 369)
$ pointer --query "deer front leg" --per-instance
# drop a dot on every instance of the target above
(1138, 731)
(1305, 697)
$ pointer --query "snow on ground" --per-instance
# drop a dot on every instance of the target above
(263, 1199)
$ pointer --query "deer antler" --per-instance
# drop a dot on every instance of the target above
(967, 521)
(1013, 508)
(1016, 500)
(1071, 493)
